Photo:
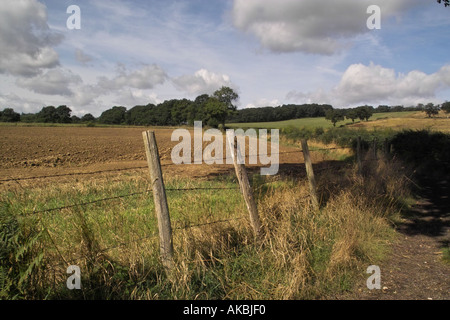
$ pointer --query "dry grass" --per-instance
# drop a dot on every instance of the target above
(415, 121)
(305, 253)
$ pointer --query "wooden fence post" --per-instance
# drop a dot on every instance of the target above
(246, 189)
(160, 199)
(358, 155)
(310, 173)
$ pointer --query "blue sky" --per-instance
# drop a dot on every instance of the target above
(271, 52)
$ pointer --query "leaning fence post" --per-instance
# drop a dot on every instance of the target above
(244, 183)
(160, 199)
(358, 155)
(310, 173)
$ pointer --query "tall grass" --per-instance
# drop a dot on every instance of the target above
(305, 254)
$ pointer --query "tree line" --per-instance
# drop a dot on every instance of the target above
(213, 110)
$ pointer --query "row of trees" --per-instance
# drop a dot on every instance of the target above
(366, 112)
(431, 109)
(280, 113)
(51, 114)
(212, 110)
(362, 113)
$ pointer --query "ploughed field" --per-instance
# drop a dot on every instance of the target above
(41, 151)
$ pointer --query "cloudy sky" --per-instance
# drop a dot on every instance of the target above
(272, 52)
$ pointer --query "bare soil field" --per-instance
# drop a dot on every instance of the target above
(43, 151)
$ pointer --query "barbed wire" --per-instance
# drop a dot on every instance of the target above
(226, 158)
(82, 204)
(71, 174)
(154, 234)
(121, 197)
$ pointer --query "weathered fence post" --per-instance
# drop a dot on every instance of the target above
(358, 155)
(160, 199)
(244, 184)
(310, 174)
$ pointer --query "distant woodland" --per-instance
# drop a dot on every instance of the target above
(213, 110)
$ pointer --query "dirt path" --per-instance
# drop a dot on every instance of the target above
(415, 270)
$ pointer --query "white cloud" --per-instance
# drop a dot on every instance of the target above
(132, 97)
(85, 95)
(129, 87)
(310, 26)
(53, 82)
(202, 82)
(19, 103)
(263, 103)
(26, 40)
(145, 78)
(374, 84)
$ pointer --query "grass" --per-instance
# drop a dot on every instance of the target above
(305, 254)
(312, 123)
(396, 121)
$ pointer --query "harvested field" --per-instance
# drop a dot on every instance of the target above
(44, 151)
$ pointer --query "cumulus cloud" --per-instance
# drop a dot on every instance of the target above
(145, 78)
(20, 103)
(263, 102)
(129, 86)
(52, 82)
(374, 84)
(132, 97)
(85, 95)
(26, 40)
(309, 26)
(202, 82)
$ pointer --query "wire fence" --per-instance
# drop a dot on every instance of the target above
(148, 192)
(97, 172)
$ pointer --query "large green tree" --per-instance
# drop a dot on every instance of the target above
(9, 115)
(364, 112)
(334, 116)
(115, 115)
(431, 110)
(87, 118)
(63, 114)
(352, 114)
(446, 107)
(227, 97)
(215, 113)
(47, 115)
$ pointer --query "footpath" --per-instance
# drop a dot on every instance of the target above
(416, 270)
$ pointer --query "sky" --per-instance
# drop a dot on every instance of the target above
(271, 52)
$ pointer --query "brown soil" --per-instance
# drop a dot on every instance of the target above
(46, 151)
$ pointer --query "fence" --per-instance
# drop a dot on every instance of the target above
(158, 191)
